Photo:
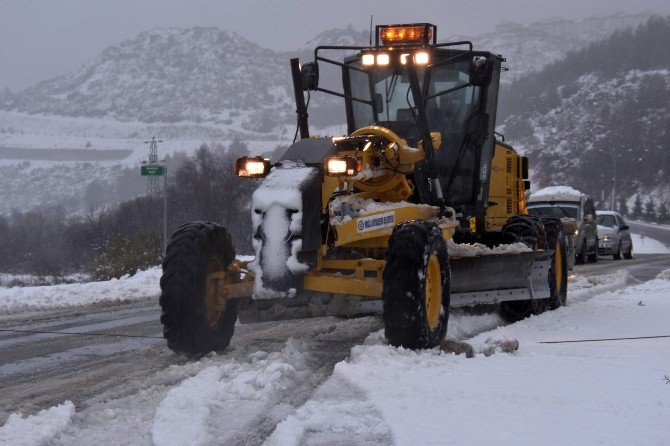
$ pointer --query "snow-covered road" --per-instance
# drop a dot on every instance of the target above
(277, 384)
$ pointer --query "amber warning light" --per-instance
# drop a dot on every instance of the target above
(416, 34)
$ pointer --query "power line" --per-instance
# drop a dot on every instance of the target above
(604, 339)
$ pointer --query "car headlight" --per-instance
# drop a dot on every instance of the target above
(608, 238)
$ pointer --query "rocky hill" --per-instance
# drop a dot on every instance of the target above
(599, 116)
(170, 75)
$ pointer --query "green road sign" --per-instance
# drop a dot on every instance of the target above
(153, 170)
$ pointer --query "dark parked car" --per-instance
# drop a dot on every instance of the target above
(567, 203)
(614, 235)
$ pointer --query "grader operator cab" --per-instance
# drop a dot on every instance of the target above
(419, 209)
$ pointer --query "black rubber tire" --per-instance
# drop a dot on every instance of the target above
(582, 257)
(555, 235)
(529, 230)
(185, 267)
(617, 255)
(628, 254)
(405, 314)
(593, 257)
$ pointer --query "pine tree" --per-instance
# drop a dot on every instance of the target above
(650, 210)
(637, 208)
(663, 213)
(623, 206)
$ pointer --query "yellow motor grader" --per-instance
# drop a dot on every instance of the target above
(418, 209)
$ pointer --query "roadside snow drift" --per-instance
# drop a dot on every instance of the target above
(610, 392)
(36, 429)
(646, 245)
(143, 285)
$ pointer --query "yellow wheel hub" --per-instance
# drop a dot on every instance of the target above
(433, 297)
(558, 267)
(213, 308)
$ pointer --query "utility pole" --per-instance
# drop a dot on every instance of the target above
(165, 241)
(152, 180)
(152, 170)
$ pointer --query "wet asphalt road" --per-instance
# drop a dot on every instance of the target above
(116, 347)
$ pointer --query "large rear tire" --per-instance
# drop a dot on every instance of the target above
(191, 321)
(558, 273)
(416, 289)
(529, 230)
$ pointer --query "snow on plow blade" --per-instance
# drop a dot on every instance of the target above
(502, 277)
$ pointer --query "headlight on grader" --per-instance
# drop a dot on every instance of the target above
(341, 165)
(252, 167)
(421, 58)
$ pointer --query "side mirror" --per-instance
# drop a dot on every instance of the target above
(526, 184)
(624, 228)
(524, 167)
(310, 76)
(481, 71)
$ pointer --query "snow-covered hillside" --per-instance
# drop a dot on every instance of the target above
(194, 86)
(599, 116)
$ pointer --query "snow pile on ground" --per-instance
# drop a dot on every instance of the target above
(646, 245)
(477, 249)
(143, 285)
(610, 392)
(37, 429)
(183, 417)
(555, 190)
(581, 288)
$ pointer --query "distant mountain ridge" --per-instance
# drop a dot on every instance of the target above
(528, 48)
(207, 74)
(189, 86)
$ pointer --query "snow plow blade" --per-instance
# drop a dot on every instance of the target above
(502, 277)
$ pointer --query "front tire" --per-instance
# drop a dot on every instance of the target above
(628, 254)
(558, 274)
(416, 290)
(191, 321)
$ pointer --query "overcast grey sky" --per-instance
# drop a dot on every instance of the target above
(43, 38)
